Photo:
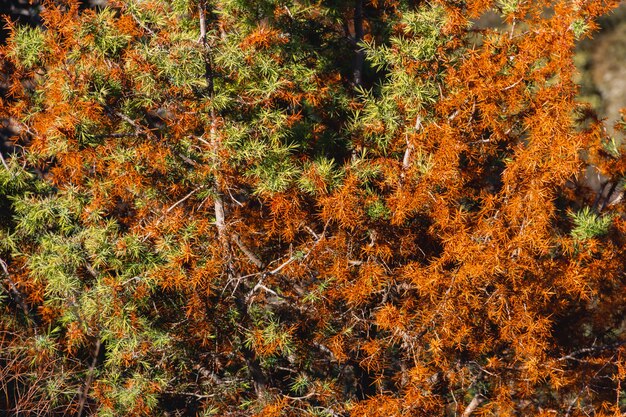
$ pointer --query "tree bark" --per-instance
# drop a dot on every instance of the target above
(359, 57)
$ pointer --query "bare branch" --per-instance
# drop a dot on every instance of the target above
(359, 57)
(409, 146)
(143, 26)
(4, 162)
(304, 397)
(90, 372)
(260, 286)
(202, 17)
(253, 258)
(573, 355)
(473, 405)
(184, 198)
(190, 394)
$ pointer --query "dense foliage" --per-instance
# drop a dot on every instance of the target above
(298, 208)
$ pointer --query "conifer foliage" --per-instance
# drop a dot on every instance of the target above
(296, 208)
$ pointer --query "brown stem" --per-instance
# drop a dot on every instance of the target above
(473, 405)
(4, 162)
(251, 256)
(574, 355)
(359, 57)
(218, 203)
(256, 372)
(208, 61)
(90, 372)
(259, 380)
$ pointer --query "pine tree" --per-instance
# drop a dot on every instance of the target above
(285, 207)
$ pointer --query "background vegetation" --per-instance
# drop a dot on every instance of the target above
(292, 208)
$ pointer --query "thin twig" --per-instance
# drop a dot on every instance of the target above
(4, 162)
(304, 397)
(582, 389)
(130, 121)
(276, 270)
(140, 23)
(182, 200)
(284, 264)
(289, 12)
(253, 258)
(90, 372)
(308, 229)
(190, 394)
(573, 355)
(260, 286)
(512, 85)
